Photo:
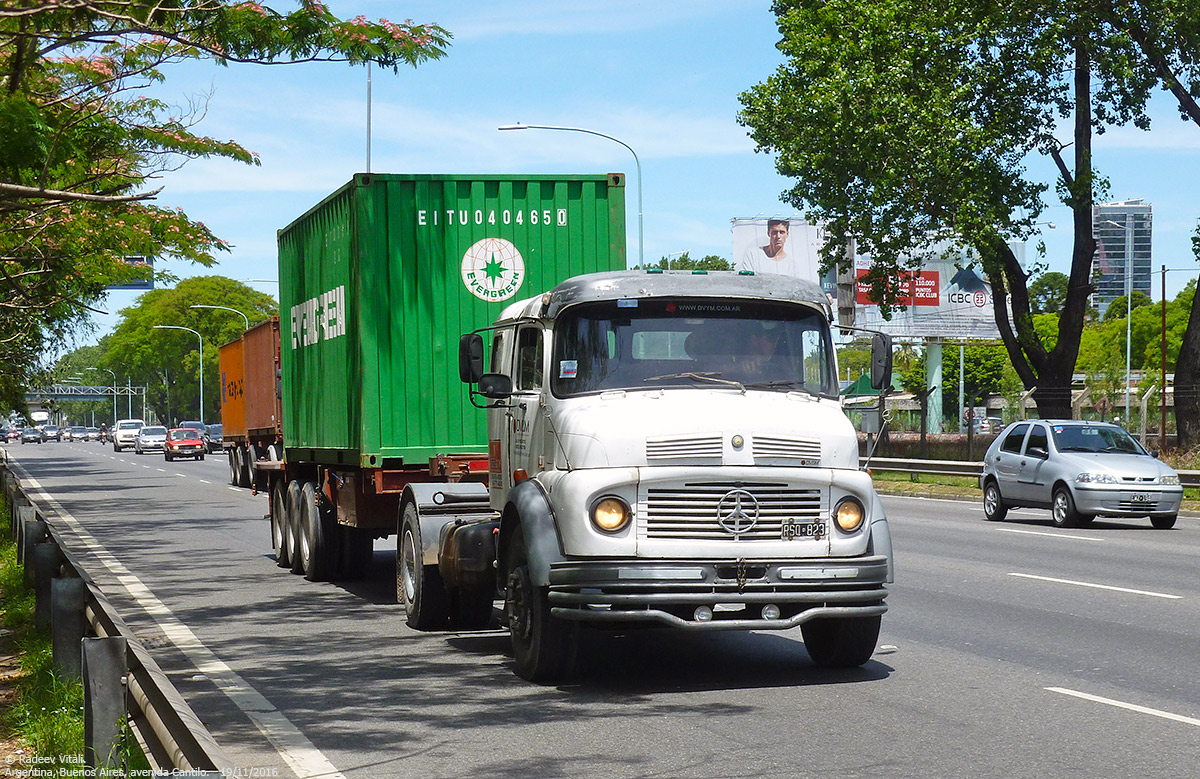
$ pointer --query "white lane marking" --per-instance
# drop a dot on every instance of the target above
(301, 755)
(1050, 535)
(1097, 586)
(161, 470)
(205, 481)
(235, 489)
(1129, 706)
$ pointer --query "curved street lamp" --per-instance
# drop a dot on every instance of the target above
(193, 332)
(225, 308)
(114, 375)
(636, 162)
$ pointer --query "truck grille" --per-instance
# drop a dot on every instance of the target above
(806, 451)
(683, 448)
(689, 512)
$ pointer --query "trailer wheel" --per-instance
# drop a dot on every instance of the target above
(279, 534)
(243, 468)
(418, 586)
(232, 454)
(295, 531)
(544, 648)
(841, 643)
(321, 531)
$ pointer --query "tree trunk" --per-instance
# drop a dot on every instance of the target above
(1187, 383)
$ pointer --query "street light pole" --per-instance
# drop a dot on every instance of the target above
(201, 340)
(226, 308)
(1128, 304)
(636, 162)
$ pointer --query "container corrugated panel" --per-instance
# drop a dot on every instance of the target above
(233, 393)
(261, 348)
(380, 279)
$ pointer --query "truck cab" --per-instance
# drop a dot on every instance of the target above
(670, 449)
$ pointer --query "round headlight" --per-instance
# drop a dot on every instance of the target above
(610, 514)
(849, 515)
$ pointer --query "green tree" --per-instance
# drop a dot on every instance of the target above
(902, 122)
(1048, 292)
(1119, 306)
(167, 361)
(685, 262)
(80, 140)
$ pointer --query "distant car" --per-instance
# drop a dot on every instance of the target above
(151, 438)
(125, 433)
(31, 435)
(14, 434)
(77, 433)
(51, 433)
(184, 442)
(1078, 470)
(93, 434)
(216, 438)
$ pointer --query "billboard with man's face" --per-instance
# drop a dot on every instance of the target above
(783, 245)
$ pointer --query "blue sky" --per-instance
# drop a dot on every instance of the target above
(662, 76)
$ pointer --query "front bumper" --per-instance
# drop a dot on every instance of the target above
(670, 592)
(1122, 501)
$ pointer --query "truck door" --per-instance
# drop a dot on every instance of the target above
(525, 417)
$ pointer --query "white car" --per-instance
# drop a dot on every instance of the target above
(125, 433)
(151, 438)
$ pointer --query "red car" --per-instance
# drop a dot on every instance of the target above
(183, 442)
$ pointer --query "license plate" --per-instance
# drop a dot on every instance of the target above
(1140, 497)
(792, 530)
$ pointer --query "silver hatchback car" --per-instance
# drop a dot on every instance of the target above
(1078, 470)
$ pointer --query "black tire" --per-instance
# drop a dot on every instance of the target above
(471, 607)
(841, 643)
(296, 543)
(1162, 521)
(166, 457)
(994, 509)
(232, 454)
(1062, 509)
(320, 529)
(279, 533)
(243, 470)
(418, 586)
(544, 648)
(356, 549)
(199, 457)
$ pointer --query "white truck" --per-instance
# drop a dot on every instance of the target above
(663, 449)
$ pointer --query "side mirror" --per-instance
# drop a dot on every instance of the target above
(470, 358)
(881, 361)
(1038, 452)
(495, 385)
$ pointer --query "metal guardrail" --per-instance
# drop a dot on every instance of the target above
(969, 468)
(172, 736)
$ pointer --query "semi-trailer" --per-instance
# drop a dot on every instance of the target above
(632, 448)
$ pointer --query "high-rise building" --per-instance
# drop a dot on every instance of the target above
(1123, 257)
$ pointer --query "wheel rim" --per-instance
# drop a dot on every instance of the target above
(518, 597)
(1060, 506)
(991, 500)
(409, 566)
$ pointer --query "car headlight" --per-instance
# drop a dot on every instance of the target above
(848, 515)
(610, 514)
(1096, 478)
(1170, 478)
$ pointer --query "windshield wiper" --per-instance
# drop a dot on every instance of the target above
(791, 384)
(706, 376)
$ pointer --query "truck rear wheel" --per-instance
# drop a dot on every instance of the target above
(841, 643)
(293, 500)
(232, 453)
(243, 472)
(279, 534)
(544, 648)
(418, 586)
(320, 530)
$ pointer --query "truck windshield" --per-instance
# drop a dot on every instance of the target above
(647, 344)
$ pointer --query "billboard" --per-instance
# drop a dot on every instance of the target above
(785, 245)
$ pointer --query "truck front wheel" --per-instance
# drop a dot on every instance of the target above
(418, 586)
(544, 648)
(841, 643)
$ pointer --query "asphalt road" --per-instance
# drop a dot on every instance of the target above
(1010, 650)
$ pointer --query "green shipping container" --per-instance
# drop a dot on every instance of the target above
(379, 280)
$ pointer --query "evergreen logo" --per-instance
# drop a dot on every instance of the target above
(493, 269)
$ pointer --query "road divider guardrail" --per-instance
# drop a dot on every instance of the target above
(967, 468)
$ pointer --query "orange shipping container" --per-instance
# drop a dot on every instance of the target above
(233, 407)
(261, 360)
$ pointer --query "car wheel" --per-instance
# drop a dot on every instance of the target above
(994, 509)
(1062, 509)
(544, 648)
(840, 643)
(1162, 521)
(418, 586)
(199, 457)
(166, 457)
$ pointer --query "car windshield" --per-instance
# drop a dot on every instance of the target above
(147, 431)
(644, 344)
(128, 425)
(1095, 439)
(185, 434)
